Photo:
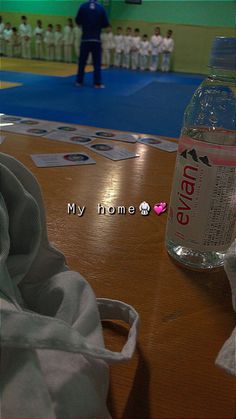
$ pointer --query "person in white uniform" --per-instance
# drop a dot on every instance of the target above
(155, 47)
(167, 49)
(2, 43)
(77, 38)
(38, 34)
(119, 46)
(58, 41)
(144, 52)
(25, 32)
(15, 40)
(68, 40)
(49, 41)
(135, 49)
(128, 39)
(7, 36)
(108, 45)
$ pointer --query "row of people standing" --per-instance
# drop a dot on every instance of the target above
(49, 44)
(127, 50)
(130, 50)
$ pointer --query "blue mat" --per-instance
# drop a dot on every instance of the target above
(132, 100)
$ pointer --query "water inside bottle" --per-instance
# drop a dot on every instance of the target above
(192, 258)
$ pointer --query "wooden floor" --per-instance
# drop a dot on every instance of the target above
(48, 68)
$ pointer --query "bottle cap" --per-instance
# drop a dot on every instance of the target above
(223, 53)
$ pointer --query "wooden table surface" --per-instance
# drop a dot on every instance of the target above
(185, 316)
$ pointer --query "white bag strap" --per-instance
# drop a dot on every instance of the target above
(26, 329)
(118, 310)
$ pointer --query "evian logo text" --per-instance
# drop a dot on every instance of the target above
(185, 197)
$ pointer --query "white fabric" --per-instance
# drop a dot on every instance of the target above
(154, 62)
(38, 33)
(167, 45)
(26, 48)
(39, 50)
(118, 43)
(107, 39)
(156, 44)
(16, 45)
(25, 33)
(143, 62)
(135, 46)
(144, 48)
(127, 43)
(53, 359)
(144, 54)
(117, 59)
(68, 35)
(49, 40)
(77, 38)
(136, 40)
(134, 60)
(2, 26)
(226, 358)
(126, 60)
(108, 44)
(167, 48)
(106, 57)
(165, 64)
(25, 30)
(67, 53)
(7, 35)
(58, 39)
(68, 41)
(155, 49)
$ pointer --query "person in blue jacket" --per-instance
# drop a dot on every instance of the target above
(92, 18)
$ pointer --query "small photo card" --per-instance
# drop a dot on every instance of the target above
(39, 130)
(109, 135)
(10, 118)
(69, 137)
(61, 159)
(112, 152)
(159, 143)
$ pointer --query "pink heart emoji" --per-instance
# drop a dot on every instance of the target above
(160, 208)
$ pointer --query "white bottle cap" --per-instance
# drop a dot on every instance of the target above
(223, 53)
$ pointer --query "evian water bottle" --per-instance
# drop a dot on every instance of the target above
(202, 210)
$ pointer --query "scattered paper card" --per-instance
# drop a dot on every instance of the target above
(128, 138)
(112, 152)
(65, 128)
(159, 143)
(20, 128)
(10, 118)
(61, 159)
(2, 138)
(27, 121)
(40, 131)
(68, 137)
(73, 130)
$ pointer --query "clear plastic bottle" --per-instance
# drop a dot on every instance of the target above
(202, 211)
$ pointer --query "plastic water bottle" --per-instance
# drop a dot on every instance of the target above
(202, 211)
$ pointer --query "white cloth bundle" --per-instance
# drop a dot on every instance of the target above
(53, 360)
(226, 358)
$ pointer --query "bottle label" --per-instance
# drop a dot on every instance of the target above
(202, 210)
